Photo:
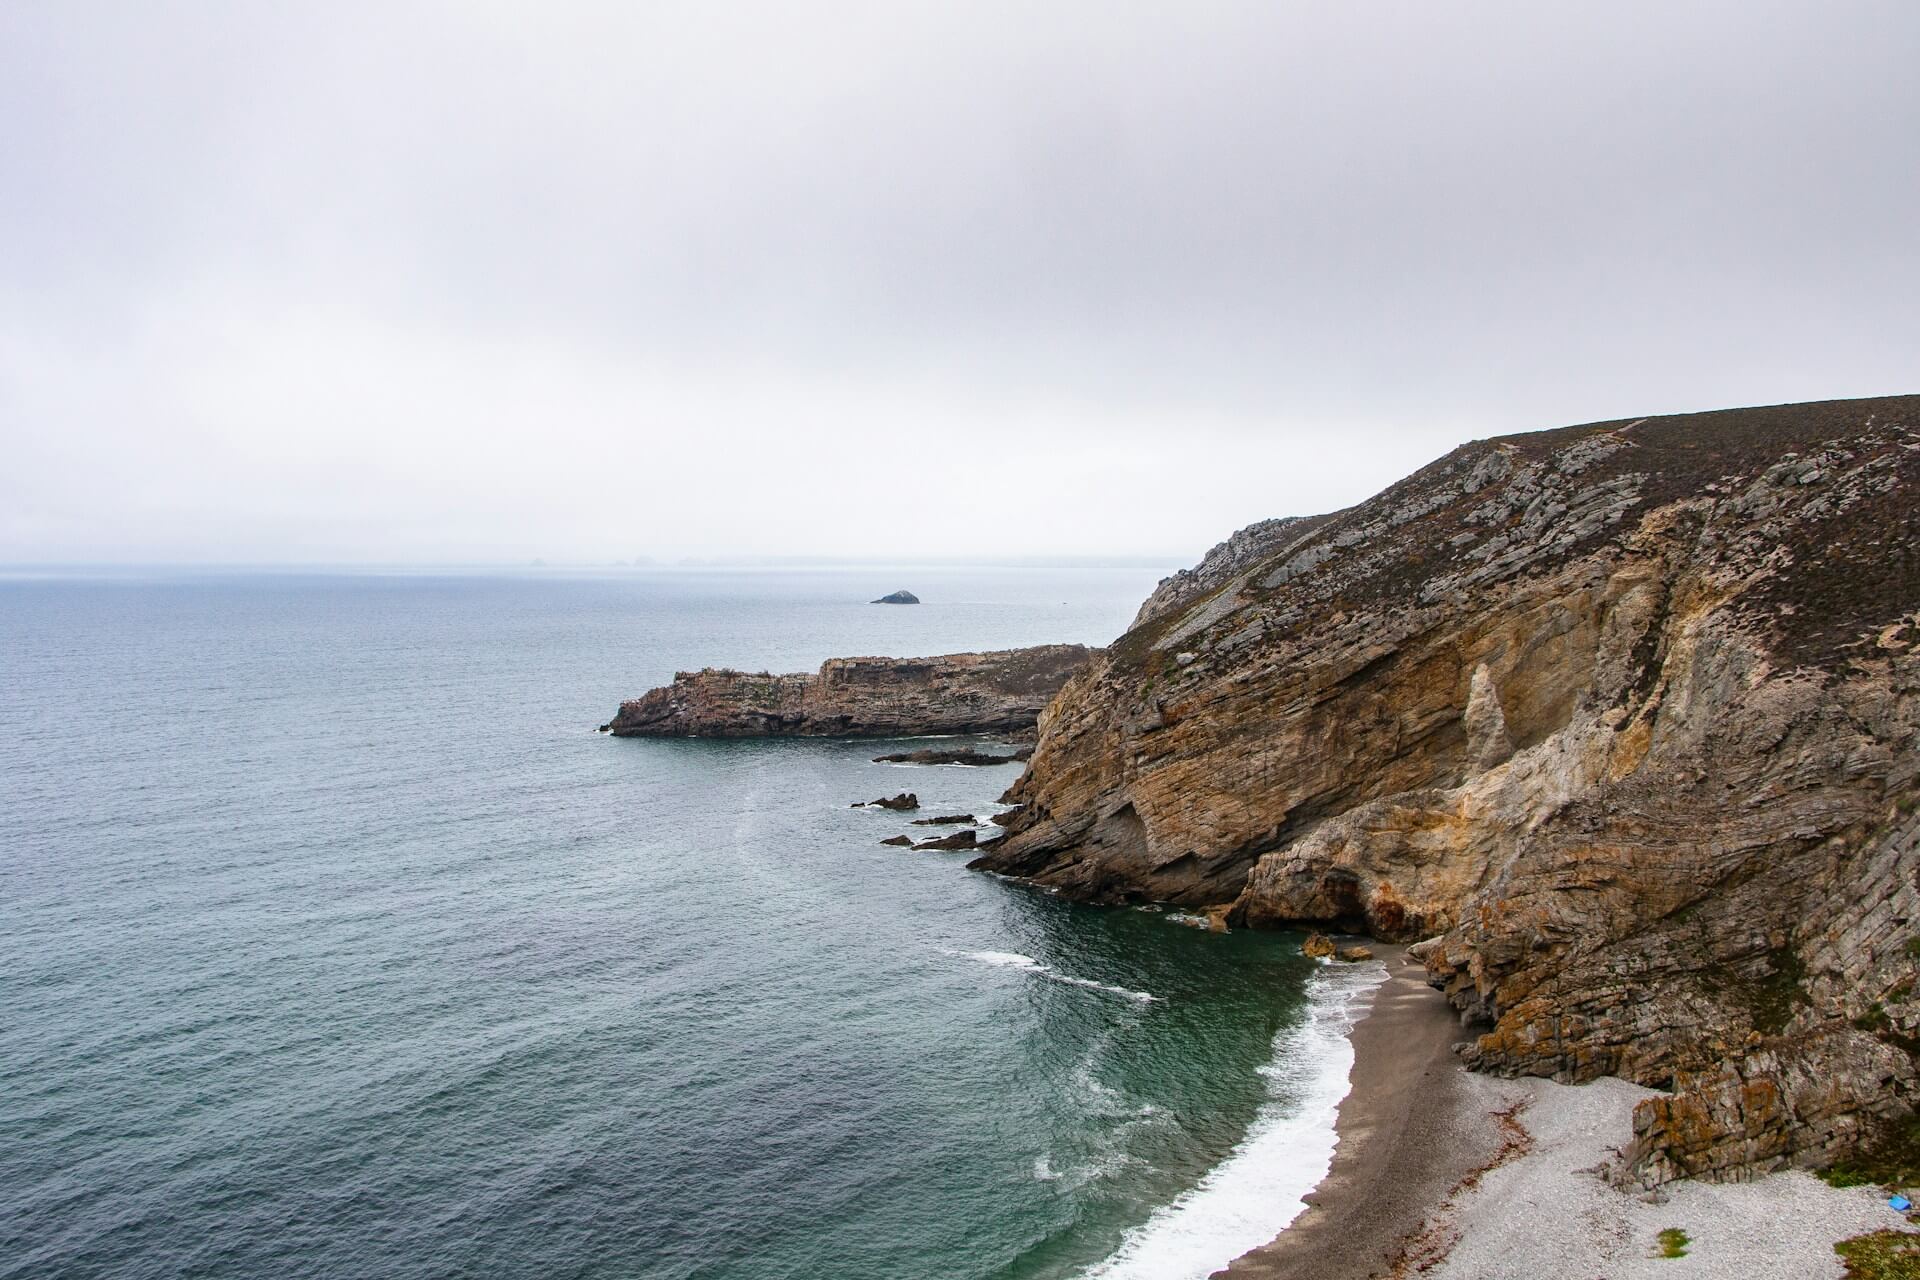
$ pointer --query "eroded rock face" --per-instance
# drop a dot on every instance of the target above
(994, 692)
(1627, 714)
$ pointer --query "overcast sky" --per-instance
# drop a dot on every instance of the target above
(472, 282)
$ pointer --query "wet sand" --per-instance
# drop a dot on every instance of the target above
(1409, 1131)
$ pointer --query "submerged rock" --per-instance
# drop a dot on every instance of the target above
(897, 597)
(946, 820)
(903, 842)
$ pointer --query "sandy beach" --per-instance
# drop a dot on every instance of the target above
(1446, 1174)
(1408, 1133)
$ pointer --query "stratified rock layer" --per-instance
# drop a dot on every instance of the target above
(1626, 713)
(859, 697)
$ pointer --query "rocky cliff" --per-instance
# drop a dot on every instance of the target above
(1624, 716)
(998, 692)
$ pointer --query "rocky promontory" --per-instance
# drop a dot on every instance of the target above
(997, 692)
(1622, 720)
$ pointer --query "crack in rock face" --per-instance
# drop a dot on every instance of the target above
(1488, 742)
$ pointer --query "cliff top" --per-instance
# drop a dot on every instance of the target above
(1814, 488)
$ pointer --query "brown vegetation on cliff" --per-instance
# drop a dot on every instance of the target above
(1626, 713)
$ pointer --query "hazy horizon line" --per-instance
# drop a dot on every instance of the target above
(638, 563)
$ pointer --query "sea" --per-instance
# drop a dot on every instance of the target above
(334, 941)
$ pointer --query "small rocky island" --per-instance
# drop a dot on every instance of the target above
(997, 692)
(897, 597)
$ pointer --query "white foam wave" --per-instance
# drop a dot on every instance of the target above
(1014, 960)
(1254, 1193)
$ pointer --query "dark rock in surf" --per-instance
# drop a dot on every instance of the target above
(966, 839)
(957, 755)
(904, 801)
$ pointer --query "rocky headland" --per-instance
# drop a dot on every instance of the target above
(1618, 722)
(996, 692)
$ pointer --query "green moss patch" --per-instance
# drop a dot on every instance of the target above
(1892, 1160)
(1882, 1255)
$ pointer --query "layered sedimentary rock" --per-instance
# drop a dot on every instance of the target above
(1246, 547)
(1625, 714)
(996, 692)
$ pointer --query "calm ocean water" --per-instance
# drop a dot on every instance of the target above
(333, 942)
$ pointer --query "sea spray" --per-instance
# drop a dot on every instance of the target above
(1258, 1190)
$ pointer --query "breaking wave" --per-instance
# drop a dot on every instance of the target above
(1252, 1195)
(1014, 960)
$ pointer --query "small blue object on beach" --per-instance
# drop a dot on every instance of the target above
(1899, 1204)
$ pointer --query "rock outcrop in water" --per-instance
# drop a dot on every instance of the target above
(904, 801)
(1628, 715)
(955, 755)
(995, 692)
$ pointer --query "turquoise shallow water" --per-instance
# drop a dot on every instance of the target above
(336, 944)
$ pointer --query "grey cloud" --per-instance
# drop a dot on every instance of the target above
(417, 280)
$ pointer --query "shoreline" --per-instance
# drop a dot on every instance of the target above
(1439, 1171)
(1406, 1134)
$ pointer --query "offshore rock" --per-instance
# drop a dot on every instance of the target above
(962, 755)
(966, 839)
(1318, 946)
(903, 802)
(1627, 714)
(995, 692)
(897, 597)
